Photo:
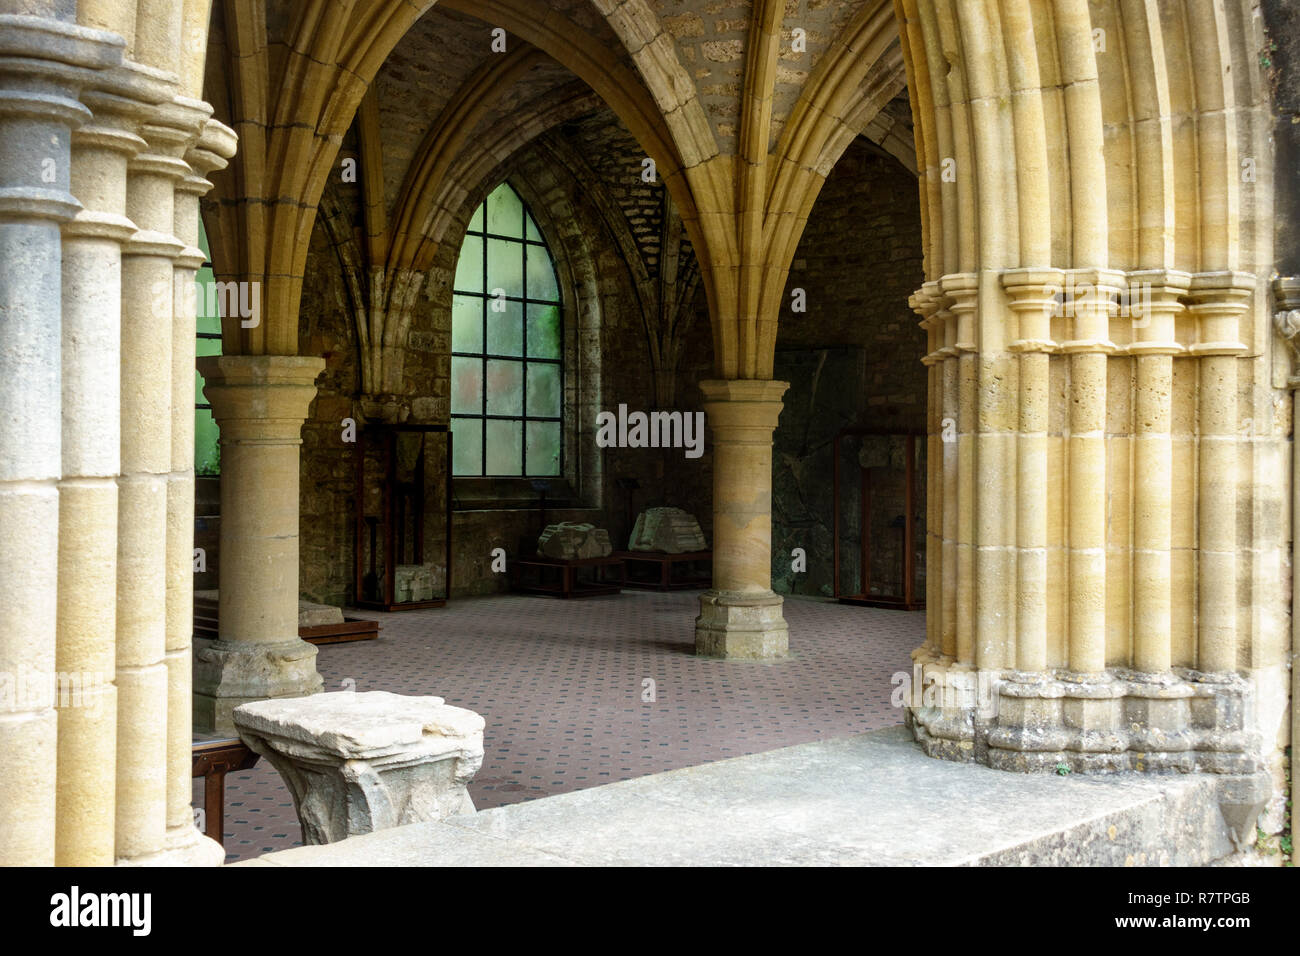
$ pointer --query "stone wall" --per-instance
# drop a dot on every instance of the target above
(859, 343)
(607, 363)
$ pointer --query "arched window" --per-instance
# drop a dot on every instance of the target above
(507, 347)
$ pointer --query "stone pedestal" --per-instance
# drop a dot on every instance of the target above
(741, 615)
(259, 402)
(356, 763)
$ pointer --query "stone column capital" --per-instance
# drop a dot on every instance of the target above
(260, 396)
(738, 406)
(1218, 301)
(1286, 320)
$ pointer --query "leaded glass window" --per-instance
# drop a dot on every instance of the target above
(507, 346)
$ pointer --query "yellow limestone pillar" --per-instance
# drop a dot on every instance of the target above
(92, 293)
(215, 146)
(1154, 346)
(963, 290)
(1032, 296)
(259, 403)
(43, 65)
(740, 616)
(147, 311)
(1091, 304)
(1219, 300)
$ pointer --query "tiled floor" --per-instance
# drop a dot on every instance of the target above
(585, 692)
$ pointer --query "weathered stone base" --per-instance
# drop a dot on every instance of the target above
(357, 763)
(190, 848)
(741, 626)
(1112, 722)
(228, 674)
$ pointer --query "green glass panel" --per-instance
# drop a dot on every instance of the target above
(469, 267)
(466, 386)
(544, 331)
(505, 448)
(544, 390)
(466, 323)
(207, 452)
(543, 448)
(505, 387)
(467, 446)
(530, 230)
(476, 220)
(206, 308)
(541, 275)
(505, 268)
(505, 213)
(505, 329)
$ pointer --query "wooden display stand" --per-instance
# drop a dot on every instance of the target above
(402, 505)
(908, 600)
(569, 584)
(664, 563)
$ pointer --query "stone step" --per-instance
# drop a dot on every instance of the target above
(872, 799)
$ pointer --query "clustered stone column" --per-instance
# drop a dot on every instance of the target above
(1118, 646)
(740, 616)
(97, 116)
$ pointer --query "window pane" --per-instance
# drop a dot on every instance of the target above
(504, 448)
(505, 329)
(505, 213)
(467, 446)
(544, 331)
(505, 391)
(466, 324)
(543, 390)
(469, 267)
(505, 267)
(541, 276)
(531, 232)
(543, 448)
(207, 452)
(466, 386)
(476, 220)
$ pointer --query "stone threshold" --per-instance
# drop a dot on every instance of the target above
(869, 800)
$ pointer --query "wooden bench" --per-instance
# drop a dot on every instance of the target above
(212, 760)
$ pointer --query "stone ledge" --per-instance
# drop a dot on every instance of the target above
(873, 799)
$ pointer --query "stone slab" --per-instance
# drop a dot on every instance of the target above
(873, 799)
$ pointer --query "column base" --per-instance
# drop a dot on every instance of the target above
(741, 625)
(227, 674)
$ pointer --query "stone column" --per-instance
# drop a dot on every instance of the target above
(1154, 348)
(1031, 295)
(962, 290)
(1286, 291)
(259, 403)
(1219, 300)
(92, 309)
(215, 146)
(147, 310)
(1091, 303)
(740, 616)
(43, 64)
